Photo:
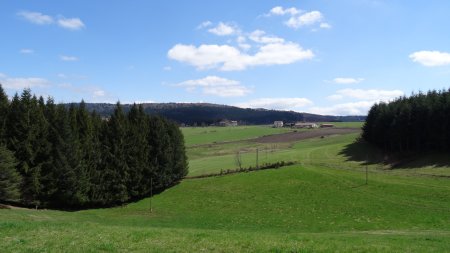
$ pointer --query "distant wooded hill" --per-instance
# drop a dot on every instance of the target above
(205, 113)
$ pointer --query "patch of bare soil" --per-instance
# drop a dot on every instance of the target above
(302, 135)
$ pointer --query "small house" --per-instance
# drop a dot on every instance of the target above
(305, 125)
(277, 124)
(225, 123)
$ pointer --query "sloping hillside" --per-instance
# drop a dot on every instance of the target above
(321, 205)
(204, 113)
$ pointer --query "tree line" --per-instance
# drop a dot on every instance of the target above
(59, 156)
(411, 124)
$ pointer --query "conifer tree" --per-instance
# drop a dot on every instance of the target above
(4, 107)
(137, 151)
(116, 173)
(10, 179)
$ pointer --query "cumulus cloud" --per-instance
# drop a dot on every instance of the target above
(204, 24)
(280, 11)
(431, 58)
(276, 103)
(36, 17)
(259, 36)
(228, 58)
(216, 86)
(352, 108)
(19, 83)
(347, 80)
(26, 51)
(306, 19)
(299, 18)
(71, 23)
(68, 58)
(223, 29)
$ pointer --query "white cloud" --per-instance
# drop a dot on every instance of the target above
(18, 83)
(299, 18)
(335, 97)
(431, 58)
(26, 51)
(325, 26)
(92, 93)
(354, 108)
(347, 80)
(216, 86)
(366, 99)
(41, 19)
(242, 43)
(141, 102)
(245, 46)
(71, 23)
(223, 29)
(98, 93)
(276, 103)
(68, 58)
(36, 17)
(167, 68)
(241, 39)
(280, 11)
(306, 19)
(204, 24)
(259, 37)
(378, 95)
(228, 58)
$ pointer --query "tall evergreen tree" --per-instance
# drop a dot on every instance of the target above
(4, 107)
(137, 152)
(116, 173)
(10, 179)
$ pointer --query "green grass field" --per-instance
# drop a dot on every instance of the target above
(320, 205)
(206, 135)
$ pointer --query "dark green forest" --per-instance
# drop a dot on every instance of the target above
(411, 124)
(59, 156)
(200, 114)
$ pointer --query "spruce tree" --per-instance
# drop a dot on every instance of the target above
(4, 107)
(10, 179)
(116, 173)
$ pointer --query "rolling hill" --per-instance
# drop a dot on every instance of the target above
(205, 113)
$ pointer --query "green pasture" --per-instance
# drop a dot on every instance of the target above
(321, 204)
(204, 135)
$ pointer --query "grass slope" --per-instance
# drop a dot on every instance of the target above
(204, 135)
(320, 205)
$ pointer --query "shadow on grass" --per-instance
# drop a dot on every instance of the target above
(361, 151)
(367, 154)
(424, 160)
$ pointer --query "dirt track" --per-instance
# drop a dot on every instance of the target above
(301, 135)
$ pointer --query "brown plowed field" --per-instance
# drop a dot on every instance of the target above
(305, 134)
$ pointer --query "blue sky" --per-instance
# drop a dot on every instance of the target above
(327, 57)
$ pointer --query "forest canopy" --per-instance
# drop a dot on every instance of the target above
(411, 124)
(59, 156)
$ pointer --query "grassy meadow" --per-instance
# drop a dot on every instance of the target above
(322, 204)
